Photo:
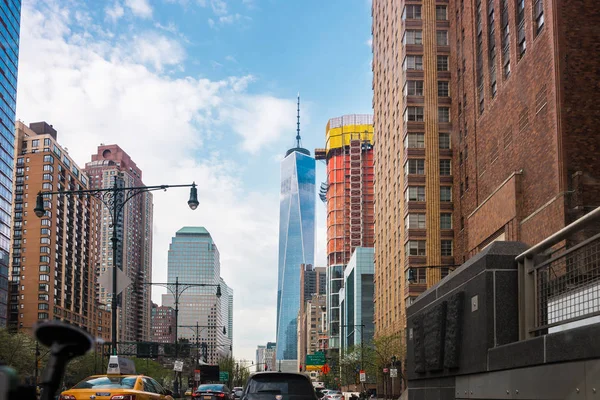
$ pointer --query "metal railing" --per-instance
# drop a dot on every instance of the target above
(559, 279)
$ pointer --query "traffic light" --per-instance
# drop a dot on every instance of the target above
(412, 275)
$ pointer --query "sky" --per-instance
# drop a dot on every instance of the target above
(201, 91)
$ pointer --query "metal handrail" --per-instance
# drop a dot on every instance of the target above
(560, 235)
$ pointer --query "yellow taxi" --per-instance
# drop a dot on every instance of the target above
(120, 383)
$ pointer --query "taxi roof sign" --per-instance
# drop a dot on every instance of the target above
(120, 366)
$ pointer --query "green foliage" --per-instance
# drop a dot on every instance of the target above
(238, 374)
(18, 351)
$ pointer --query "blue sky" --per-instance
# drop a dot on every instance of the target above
(205, 91)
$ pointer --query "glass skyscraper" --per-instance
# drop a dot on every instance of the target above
(10, 16)
(296, 245)
(194, 258)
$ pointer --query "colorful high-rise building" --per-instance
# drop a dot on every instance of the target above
(134, 248)
(296, 244)
(54, 256)
(413, 164)
(349, 197)
(10, 15)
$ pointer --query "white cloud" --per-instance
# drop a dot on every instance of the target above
(229, 19)
(231, 59)
(140, 8)
(219, 7)
(369, 42)
(94, 92)
(211, 22)
(115, 12)
(157, 50)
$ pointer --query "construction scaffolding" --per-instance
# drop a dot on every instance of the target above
(349, 188)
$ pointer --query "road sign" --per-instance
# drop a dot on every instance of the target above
(386, 370)
(197, 375)
(224, 376)
(178, 366)
(363, 376)
(105, 280)
(326, 369)
(393, 373)
(315, 359)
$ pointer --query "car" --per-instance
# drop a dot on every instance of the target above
(334, 395)
(120, 383)
(212, 391)
(188, 393)
(237, 392)
(279, 386)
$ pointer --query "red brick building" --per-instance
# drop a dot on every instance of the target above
(163, 324)
(525, 78)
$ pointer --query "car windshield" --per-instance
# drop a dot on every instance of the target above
(106, 382)
(211, 388)
(280, 384)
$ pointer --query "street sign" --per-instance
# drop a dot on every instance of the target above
(393, 373)
(315, 359)
(386, 370)
(178, 366)
(363, 376)
(224, 376)
(105, 280)
(197, 375)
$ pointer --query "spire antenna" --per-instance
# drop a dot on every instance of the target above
(298, 124)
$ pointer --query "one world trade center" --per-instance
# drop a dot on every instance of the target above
(296, 245)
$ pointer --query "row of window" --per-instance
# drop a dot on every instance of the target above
(417, 193)
(415, 36)
(416, 166)
(417, 114)
(415, 88)
(415, 63)
(414, 11)
(417, 221)
(418, 248)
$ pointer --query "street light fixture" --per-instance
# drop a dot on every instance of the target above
(114, 198)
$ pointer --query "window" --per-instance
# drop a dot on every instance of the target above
(442, 38)
(446, 221)
(414, 141)
(413, 113)
(43, 306)
(44, 259)
(48, 168)
(43, 297)
(44, 277)
(413, 88)
(44, 268)
(44, 240)
(538, 13)
(446, 248)
(413, 63)
(45, 231)
(441, 13)
(66, 161)
(520, 6)
(444, 140)
(413, 36)
(35, 143)
(47, 177)
(445, 168)
(412, 11)
(442, 63)
(445, 194)
(48, 159)
(415, 193)
(47, 186)
(415, 221)
(443, 89)
(44, 249)
(443, 114)
(415, 248)
(46, 222)
(42, 315)
(415, 166)
(47, 142)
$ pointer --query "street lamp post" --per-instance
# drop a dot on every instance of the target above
(177, 290)
(114, 198)
(196, 328)
(362, 343)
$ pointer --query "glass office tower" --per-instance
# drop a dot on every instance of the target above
(296, 246)
(10, 16)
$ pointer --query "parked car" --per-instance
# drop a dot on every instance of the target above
(238, 391)
(279, 386)
(334, 395)
(212, 391)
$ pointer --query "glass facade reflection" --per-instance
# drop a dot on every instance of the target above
(10, 15)
(296, 244)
